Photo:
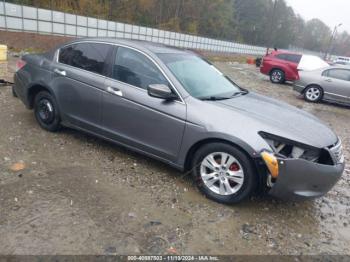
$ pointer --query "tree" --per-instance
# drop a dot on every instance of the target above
(257, 22)
(341, 44)
(316, 35)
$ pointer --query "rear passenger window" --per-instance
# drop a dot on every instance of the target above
(340, 74)
(281, 56)
(134, 68)
(87, 56)
(294, 58)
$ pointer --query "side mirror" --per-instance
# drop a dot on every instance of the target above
(161, 91)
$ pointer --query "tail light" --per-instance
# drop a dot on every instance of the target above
(20, 64)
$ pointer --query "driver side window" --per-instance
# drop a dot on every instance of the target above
(135, 69)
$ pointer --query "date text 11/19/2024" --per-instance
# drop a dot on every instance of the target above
(173, 258)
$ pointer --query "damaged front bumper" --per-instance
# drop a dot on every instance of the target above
(300, 179)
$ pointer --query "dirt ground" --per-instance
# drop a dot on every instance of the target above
(81, 195)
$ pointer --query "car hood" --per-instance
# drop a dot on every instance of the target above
(281, 119)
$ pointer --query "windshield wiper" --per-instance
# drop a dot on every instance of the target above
(213, 98)
(217, 98)
(243, 92)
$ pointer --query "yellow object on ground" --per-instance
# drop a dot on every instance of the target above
(18, 167)
(3, 53)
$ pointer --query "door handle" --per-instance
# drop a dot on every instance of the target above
(114, 91)
(328, 80)
(60, 72)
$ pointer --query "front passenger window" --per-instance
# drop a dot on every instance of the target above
(135, 69)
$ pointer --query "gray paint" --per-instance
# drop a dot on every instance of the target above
(167, 130)
(334, 89)
(308, 180)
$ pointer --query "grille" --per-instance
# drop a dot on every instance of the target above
(337, 152)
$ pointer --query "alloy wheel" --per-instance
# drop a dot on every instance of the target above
(222, 173)
(276, 76)
(313, 94)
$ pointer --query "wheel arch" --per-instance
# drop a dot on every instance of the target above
(253, 157)
(313, 84)
(33, 90)
(277, 68)
(249, 152)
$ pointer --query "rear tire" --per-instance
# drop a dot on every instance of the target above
(313, 93)
(277, 76)
(231, 181)
(46, 111)
(14, 94)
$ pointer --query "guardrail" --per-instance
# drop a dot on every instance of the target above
(43, 21)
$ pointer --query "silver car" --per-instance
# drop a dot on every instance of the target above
(329, 84)
(175, 107)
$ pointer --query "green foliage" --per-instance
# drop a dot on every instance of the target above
(259, 22)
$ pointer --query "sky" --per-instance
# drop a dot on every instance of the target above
(331, 12)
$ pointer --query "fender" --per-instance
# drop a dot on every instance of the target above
(34, 88)
(202, 136)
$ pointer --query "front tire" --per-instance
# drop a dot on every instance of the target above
(313, 94)
(277, 76)
(223, 173)
(46, 111)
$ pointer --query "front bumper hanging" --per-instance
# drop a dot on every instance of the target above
(300, 179)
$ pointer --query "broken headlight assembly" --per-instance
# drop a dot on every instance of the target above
(281, 148)
(284, 148)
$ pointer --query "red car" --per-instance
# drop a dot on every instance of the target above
(281, 66)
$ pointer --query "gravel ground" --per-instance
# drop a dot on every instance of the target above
(81, 195)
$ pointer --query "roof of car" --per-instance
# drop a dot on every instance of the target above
(153, 47)
(332, 67)
(278, 52)
(338, 66)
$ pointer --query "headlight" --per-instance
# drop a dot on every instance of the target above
(285, 148)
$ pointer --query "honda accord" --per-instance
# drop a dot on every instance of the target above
(175, 107)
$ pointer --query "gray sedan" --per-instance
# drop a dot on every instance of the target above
(175, 107)
(329, 84)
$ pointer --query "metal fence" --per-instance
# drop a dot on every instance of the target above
(30, 19)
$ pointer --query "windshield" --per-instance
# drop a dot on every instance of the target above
(198, 77)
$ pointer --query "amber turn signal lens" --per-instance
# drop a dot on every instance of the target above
(271, 163)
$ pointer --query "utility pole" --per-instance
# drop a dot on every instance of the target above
(331, 40)
(271, 39)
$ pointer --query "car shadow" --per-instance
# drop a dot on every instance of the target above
(184, 178)
(118, 149)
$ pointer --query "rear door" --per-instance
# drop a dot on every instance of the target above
(288, 65)
(336, 84)
(79, 76)
(293, 61)
(132, 117)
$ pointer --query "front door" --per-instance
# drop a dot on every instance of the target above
(132, 117)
